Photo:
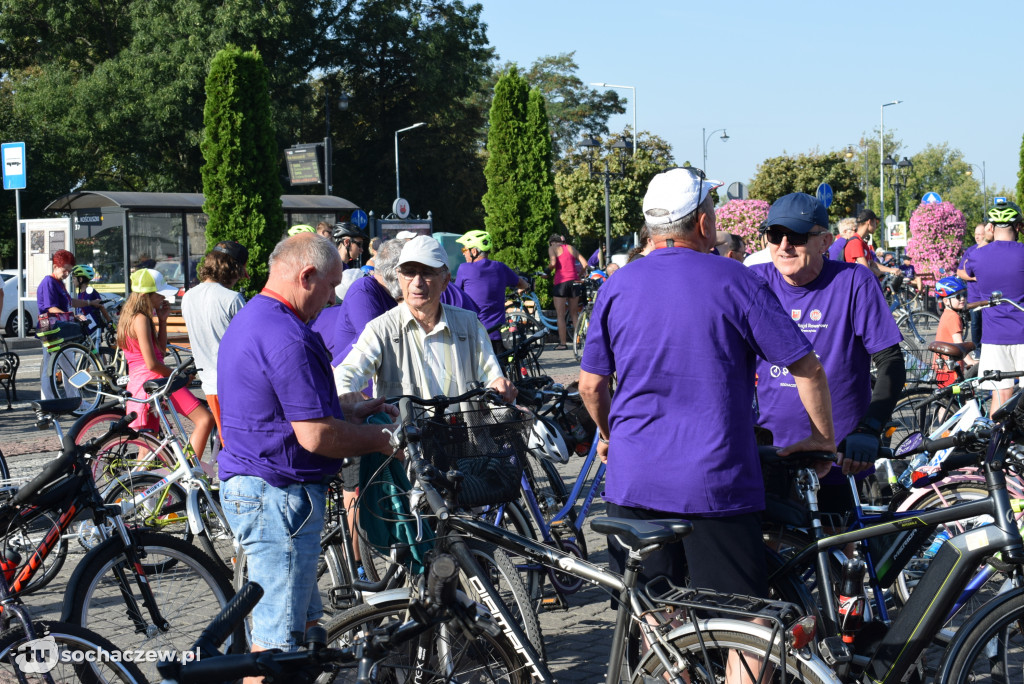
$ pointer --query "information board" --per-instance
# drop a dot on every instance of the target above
(304, 164)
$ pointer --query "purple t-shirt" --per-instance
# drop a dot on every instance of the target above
(485, 282)
(325, 324)
(682, 416)
(454, 296)
(272, 369)
(1000, 266)
(51, 292)
(91, 311)
(843, 314)
(835, 252)
(973, 292)
(595, 259)
(364, 301)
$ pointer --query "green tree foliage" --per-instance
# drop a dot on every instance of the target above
(581, 195)
(1020, 172)
(520, 202)
(402, 62)
(240, 180)
(782, 175)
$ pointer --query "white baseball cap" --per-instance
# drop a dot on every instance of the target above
(674, 194)
(425, 250)
(405, 235)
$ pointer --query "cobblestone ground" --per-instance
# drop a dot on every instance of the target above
(577, 638)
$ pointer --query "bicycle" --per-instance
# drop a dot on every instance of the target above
(155, 580)
(892, 656)
(696, 648)
(579, 336)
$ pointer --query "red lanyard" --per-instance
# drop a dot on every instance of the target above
(273, 295)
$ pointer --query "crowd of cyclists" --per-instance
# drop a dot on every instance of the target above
(681, 342)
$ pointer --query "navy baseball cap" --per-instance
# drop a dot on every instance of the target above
(799, 212)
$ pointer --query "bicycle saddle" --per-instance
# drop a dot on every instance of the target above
(638, 533)
(57, 407)
(951, 349)
(157, 384)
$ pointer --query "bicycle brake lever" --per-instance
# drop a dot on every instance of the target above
(415, 495)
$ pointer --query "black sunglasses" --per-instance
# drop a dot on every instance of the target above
(775, 235)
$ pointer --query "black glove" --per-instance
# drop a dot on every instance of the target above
(862, 445)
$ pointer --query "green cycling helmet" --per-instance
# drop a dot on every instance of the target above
(1005, 213)
(301, 228)
(476, 239)
(83, 272)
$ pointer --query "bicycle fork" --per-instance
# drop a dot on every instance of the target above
(133, 559)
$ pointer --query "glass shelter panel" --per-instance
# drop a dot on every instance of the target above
(156, 241)
(101, 245)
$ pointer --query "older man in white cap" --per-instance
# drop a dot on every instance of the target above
(682, 329)
(423, 347)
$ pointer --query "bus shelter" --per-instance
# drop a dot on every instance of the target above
(116, 232)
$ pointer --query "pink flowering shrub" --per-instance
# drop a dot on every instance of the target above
(936, 238)
(743, 218)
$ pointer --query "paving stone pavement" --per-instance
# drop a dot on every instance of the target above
(578, 639)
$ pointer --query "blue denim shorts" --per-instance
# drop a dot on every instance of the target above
(279, 531)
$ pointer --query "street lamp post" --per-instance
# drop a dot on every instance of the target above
(609, 85)
(725, 138)
(398, 190)
(621, 147)
(328, 143)
(898, 178)
(984, 184)
(881, 156)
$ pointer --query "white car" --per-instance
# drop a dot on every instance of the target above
(9, 314)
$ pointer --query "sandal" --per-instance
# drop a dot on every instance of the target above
(561, 347)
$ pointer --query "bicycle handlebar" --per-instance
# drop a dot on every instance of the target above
(227, 620)
(995, 299)
(442, 401)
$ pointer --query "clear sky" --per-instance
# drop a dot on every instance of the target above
(792, 77)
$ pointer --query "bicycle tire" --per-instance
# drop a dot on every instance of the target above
(163, 511)
(515, 520)
(5, 472)
(65, 362)
(579, 336)
(919, 327)
(67, 638)
(506, 579)
(95, 423)
(465, 664)
(561, 494)
(718, 643)
(186, 583)
(216, 538)
(992, 646)
(26, 539)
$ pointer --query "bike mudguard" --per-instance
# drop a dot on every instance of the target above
(909, 502)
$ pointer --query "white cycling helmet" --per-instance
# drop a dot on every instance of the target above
(546, 442)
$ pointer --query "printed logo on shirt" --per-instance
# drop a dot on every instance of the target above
(816, 315)
(776, 371)
(796, 313)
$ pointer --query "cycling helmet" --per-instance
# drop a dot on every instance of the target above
(476, 239)
(947, 287)
(546, 442)
(301, 228)
(346, 230)
(83, 272)
(1005, 213)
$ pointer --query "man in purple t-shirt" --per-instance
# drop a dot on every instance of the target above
(842, 312)
(485, 281)
(678, 436)
(1000, 267)
(285, 435)
(983, 234)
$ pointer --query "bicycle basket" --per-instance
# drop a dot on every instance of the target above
(60, 334)
(486, 445)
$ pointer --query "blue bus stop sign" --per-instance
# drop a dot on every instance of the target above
(824, 194)
(360, 219)
(13, 157)
(931, 198)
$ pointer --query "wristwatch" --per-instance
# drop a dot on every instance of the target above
(602, 440)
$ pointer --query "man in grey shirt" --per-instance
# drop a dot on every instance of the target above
(209, 307)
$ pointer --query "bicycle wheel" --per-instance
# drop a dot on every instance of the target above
(62, 650)
(716, 644)
(514, 519)
(919, 327)
(95, 423)
(68, 360)
(216, 539)
(552, 485)
(121, 454)
(454, 657)
(505, 578)
(162, 511)
(26, 539)
(993, 648)
(188, 587)
(579, 336)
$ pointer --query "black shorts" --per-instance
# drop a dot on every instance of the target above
(350, 476)
(567, 290)
(724, 554)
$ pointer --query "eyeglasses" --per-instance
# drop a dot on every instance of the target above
(428, 274)
(775, 235)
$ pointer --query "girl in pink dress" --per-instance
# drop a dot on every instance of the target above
(144, 345)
